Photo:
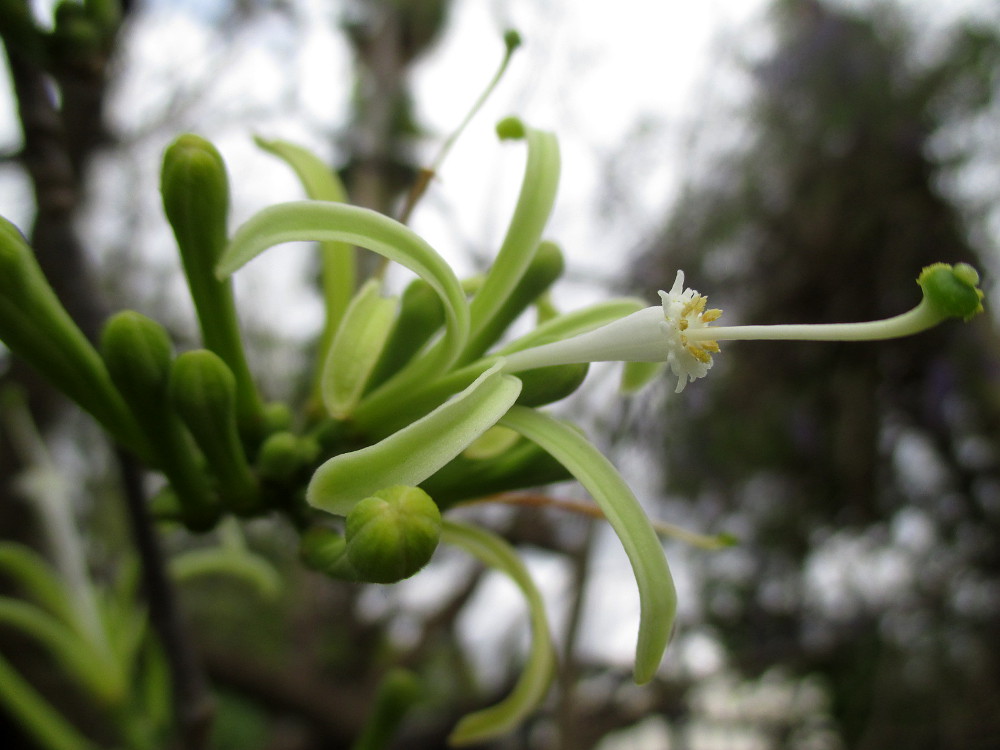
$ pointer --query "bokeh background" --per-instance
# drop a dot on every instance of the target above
(800, 160)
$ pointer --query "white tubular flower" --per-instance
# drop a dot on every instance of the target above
(679, 333)
(654, 334)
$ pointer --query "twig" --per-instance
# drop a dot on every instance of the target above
(193, 702)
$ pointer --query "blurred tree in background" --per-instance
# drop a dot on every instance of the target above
(861, 480)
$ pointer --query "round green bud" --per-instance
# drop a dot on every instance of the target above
(392, 535)
(511, 40)
(279, 456)
(952, 291)
(277, 417)
(510, 128)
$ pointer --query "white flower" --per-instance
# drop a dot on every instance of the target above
(679, 333)
(654, 334)
(684, 313)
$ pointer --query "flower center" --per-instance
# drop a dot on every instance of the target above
(689, 357)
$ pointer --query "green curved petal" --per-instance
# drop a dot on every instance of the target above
(534, 204)
(658, 600)
(339, 272)
(417, 451)
(537, 675)
(336, 222)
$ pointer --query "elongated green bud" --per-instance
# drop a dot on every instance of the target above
(36, 327)
(283, 454)
(420, 315)
(195, 191)
(138, 354)
(546, 266)
(953, 291)
(203, 391)
(325, 550)
(392, 535)
(356, 347)
(521, 466)
(546, 385)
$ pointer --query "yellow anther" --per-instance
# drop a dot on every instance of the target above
(699, 354)
(710, 346)
(682, 324)
(709, 315)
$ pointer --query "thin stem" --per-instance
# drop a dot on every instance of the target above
(590, 510)
(193, 704)
(918, 319)
(428, 173)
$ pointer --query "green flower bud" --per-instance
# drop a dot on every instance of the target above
(203, 391)
(420, 315)
(325, 550)
(392, 535)
(283, 454)
(953, 291)
(521, 466)
(195, 191)
(138, 354)
(510, 129)
(277, 417)
(36, 327)
(545, 385)
(545, 268)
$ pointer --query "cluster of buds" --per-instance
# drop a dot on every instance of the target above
(407, 392)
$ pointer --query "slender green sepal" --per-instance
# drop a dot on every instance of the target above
(360, 340)
(36, 715)
(418, 450)
(392, 534)
(398, 692)
(338, 275)
(534, 204)
(534, 681)
(36, 327)
(546, 266)
(195, 191)
(323, 221)
(203, 391)
(139, 354)
(658, 600)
